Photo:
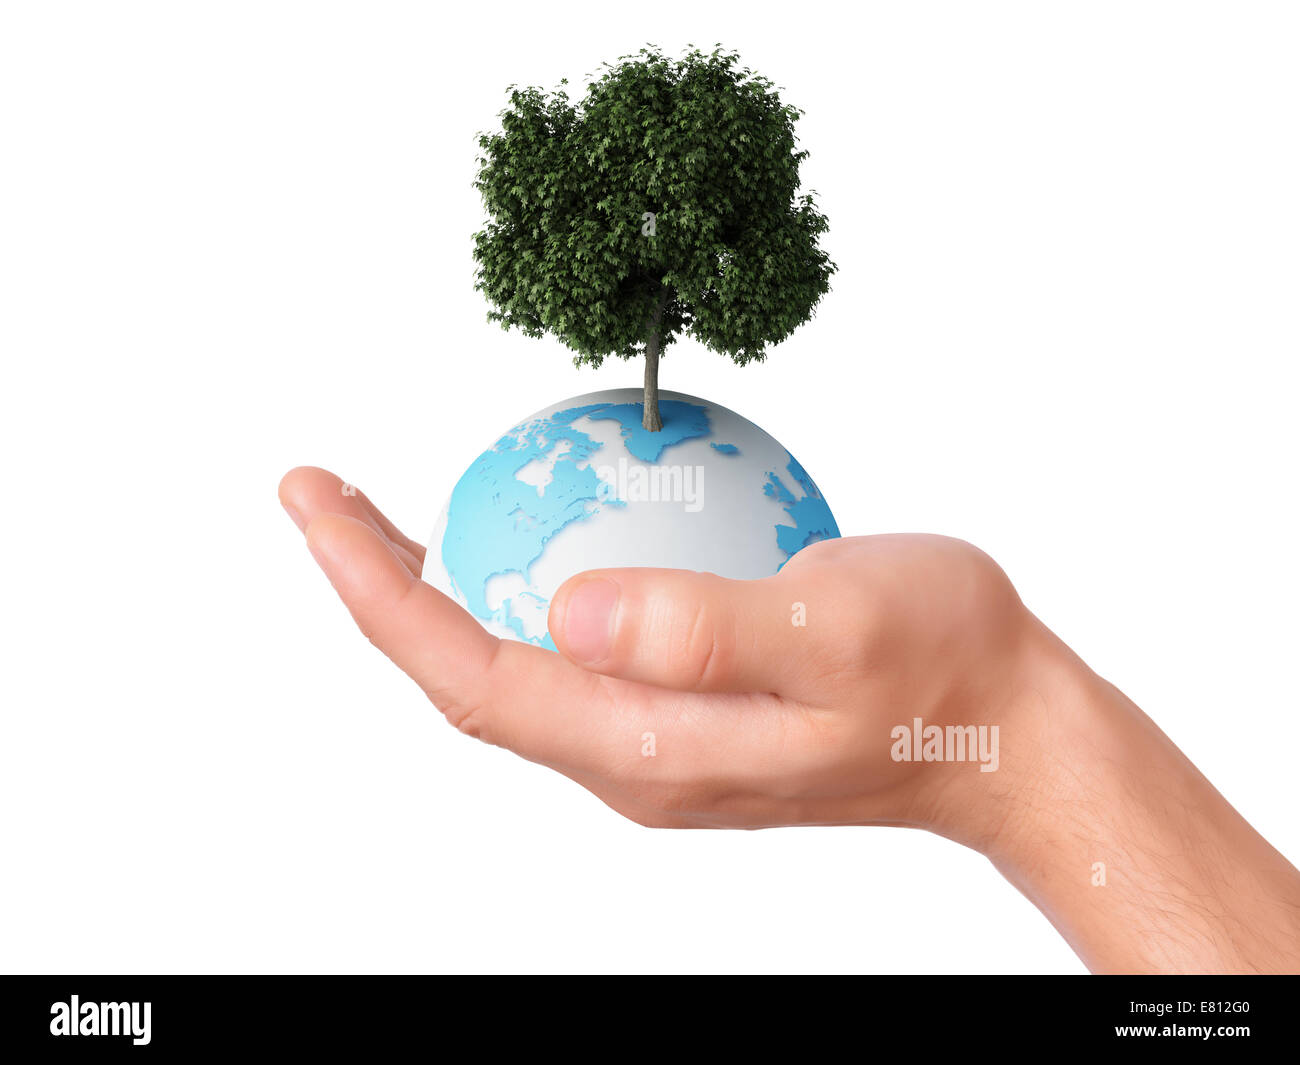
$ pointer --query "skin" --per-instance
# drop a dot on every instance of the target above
(759, 722)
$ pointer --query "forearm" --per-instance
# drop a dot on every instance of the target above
(1123, 844)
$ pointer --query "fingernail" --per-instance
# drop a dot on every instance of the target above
(588, 621)
(293, 513)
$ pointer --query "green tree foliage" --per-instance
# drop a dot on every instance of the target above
(665, 203)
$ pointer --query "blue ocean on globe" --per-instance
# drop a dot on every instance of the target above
(581, 485)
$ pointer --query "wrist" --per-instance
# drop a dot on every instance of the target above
(1103, 823)
(1044, 702)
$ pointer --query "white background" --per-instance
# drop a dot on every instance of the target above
(235, 238)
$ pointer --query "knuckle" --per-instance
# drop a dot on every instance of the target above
(662, 786)
(676, 799)
(708, 647)
(467, 709)
(465, 718)
(682, 791)
(466, 721)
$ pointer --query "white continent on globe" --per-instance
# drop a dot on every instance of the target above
(581, 485)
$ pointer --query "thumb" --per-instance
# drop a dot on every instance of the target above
(675, 629)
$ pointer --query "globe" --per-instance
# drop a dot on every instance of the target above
(581, 485)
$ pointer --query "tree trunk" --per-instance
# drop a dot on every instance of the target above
(650, 419)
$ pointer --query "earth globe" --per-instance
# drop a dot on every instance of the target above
(581, 485)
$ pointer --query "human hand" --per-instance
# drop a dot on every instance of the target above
(686, 700)
(683, 699)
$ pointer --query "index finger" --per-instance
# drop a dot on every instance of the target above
(514, 695)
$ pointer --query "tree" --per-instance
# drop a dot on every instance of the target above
(666, 202)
